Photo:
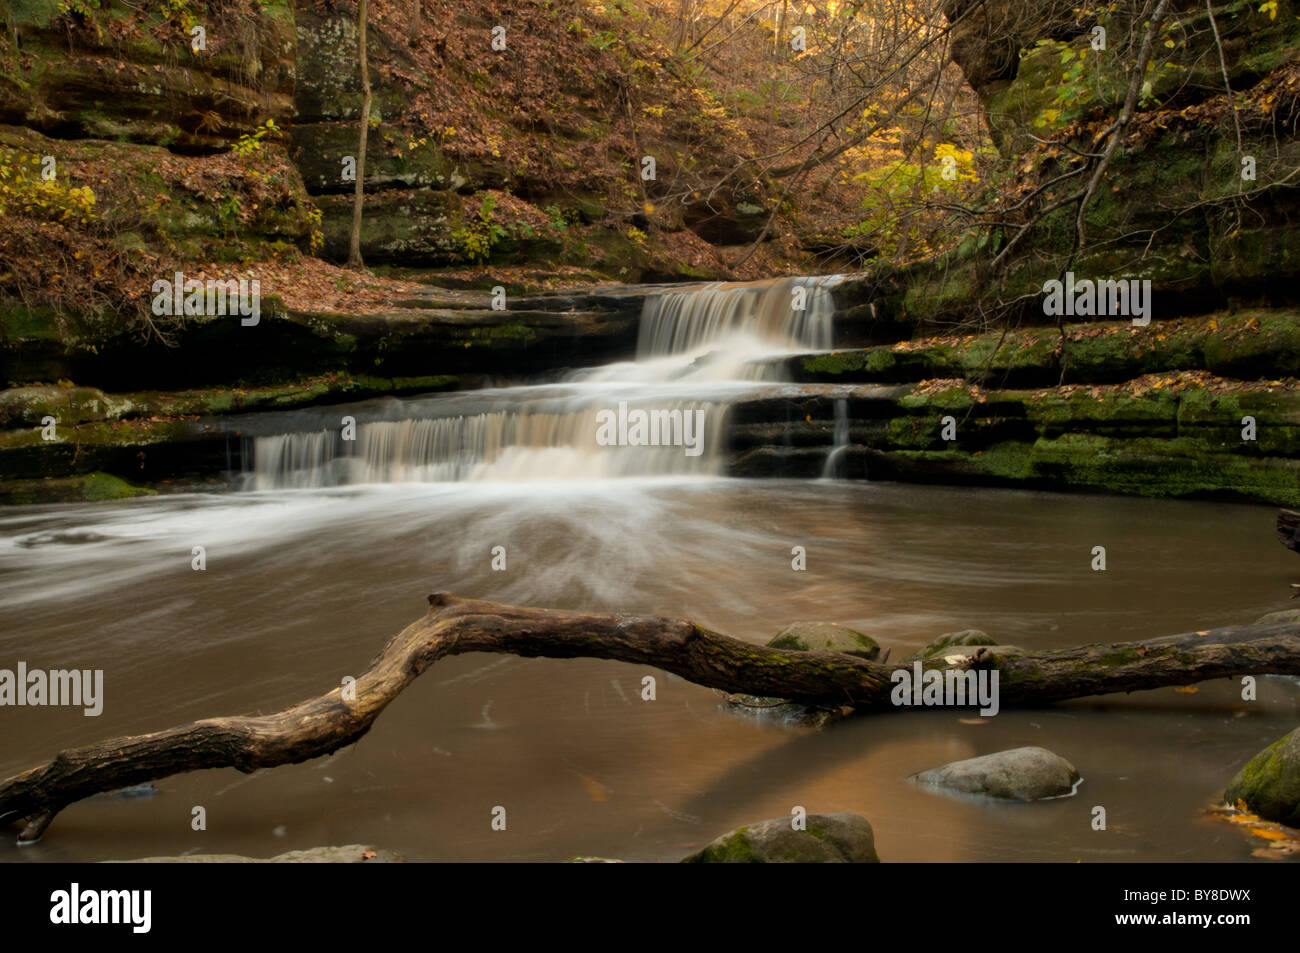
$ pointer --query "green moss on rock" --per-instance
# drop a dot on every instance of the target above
(825, 637)
(1269, 784)
(827, 838)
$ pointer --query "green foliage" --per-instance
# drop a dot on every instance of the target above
(478, 237)
(895, 192)
(23, 191)
(1084, 80)
(561, 219)
(251, 144)
(317, 239)
(180, 10)
(81, 8)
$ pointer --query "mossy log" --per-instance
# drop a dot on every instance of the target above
(455, 626)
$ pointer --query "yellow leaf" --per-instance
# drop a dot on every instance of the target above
(595, 790)
(1187, 689)
(1269, 833)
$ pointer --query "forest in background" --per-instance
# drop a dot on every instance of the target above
(786, 138)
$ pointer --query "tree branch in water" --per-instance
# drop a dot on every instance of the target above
(455, 626)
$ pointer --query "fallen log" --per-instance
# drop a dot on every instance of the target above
(455, 626)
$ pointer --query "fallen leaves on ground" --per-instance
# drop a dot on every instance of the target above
(1280, 841)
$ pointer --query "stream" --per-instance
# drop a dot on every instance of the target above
(327, 547)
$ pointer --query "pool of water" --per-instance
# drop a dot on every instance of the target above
(303, 587)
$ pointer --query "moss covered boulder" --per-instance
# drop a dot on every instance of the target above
(954, 643)
(1019, 774)
(825, 637)
(1269, 784)
(90, 488)
(828, 839)
(948, 639)
(1286, 615)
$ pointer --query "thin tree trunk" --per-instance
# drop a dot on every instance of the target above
(354, 245)
(455, 626)
(776, 55)
(1126, 114)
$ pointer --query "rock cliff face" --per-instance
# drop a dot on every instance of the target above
(134, 137)
(528, 154)
(129, 74)
(1200, 196)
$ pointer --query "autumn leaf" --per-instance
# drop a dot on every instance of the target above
(595, 790)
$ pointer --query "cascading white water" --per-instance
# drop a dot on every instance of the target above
(505, 445)
(695, 347)
(727, 331)
(787, 311)
(840, 440)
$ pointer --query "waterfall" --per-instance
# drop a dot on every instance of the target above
(682, 321)
(663, 414)
(507, 445)
(830, 469)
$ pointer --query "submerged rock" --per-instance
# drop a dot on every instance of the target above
(1018, 774)
(951, 643)
(1269, 784)
(595, 860)
(825, 637)
(843, 838)
(813, 716)
(349, 854)
(1286, 615)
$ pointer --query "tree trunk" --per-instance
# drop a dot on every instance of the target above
(776, 56)
(454, 626)
(354, 244)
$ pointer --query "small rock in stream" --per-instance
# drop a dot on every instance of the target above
(1018, 774)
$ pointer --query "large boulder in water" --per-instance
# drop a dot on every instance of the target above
(1019, 774)
(1270, 782)
(825, 637)
(828, 839)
